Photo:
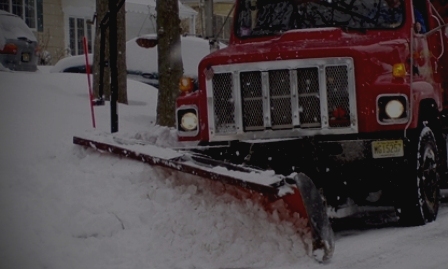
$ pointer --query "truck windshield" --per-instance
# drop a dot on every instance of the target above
(271, 17)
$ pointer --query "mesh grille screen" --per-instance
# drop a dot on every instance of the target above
(224, 103)
(252, 95)
(338, 96)
(274, 105)
(280, 92)
(309, 100)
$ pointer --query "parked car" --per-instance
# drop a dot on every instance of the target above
(77, 64)
(142, 63)
(18, 45)
(72, 64)
(145, 59)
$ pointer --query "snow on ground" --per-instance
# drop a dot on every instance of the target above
(63, 206)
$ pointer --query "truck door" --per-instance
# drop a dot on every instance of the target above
(428, 44)
(438, 20)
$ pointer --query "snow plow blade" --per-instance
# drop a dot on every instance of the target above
(294, 198)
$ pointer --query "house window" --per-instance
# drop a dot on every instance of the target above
(224, 30)
(26, 9)
(78, 28)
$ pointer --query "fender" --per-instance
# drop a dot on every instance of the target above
(422, 90)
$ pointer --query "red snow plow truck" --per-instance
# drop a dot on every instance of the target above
(326, 108)
(352, 93)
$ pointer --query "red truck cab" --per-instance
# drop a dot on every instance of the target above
(351, 93)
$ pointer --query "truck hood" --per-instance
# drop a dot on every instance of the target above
(383, 48)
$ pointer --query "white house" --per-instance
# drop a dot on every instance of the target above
(140, 19)
(60, 25)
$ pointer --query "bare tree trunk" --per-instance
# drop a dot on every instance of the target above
(102, 7)
(170, 60)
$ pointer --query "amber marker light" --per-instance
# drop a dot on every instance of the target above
(186, 84)
(399, 70)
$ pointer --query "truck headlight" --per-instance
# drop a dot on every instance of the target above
(392, 109)
(187, 120)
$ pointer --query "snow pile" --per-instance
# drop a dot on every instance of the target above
(71, 61)
(64, 206)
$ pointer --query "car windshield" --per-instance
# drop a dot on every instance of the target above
(271, 17)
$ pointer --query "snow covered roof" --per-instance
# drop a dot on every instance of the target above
(149, 7)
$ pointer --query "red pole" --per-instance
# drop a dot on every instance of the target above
(86, 52)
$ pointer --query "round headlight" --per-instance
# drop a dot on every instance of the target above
(394, 109)
(189, 121)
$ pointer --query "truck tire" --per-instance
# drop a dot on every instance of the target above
(421, 192)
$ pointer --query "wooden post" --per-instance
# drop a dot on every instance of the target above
(113, 65)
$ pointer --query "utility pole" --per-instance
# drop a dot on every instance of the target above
(113, 64)
(210, 25)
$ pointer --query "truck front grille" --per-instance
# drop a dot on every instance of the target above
(314, 96)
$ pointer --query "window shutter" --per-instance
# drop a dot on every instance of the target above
(40, 15)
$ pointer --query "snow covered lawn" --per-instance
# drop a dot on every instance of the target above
(63, 206)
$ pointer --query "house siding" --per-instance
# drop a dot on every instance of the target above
(51, 38)
(54, 35)
(221, 9)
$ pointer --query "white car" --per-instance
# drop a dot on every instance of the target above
(145, 59)
(18, 45)
(142, 63)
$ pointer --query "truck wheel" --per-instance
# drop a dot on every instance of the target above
(421, 199)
